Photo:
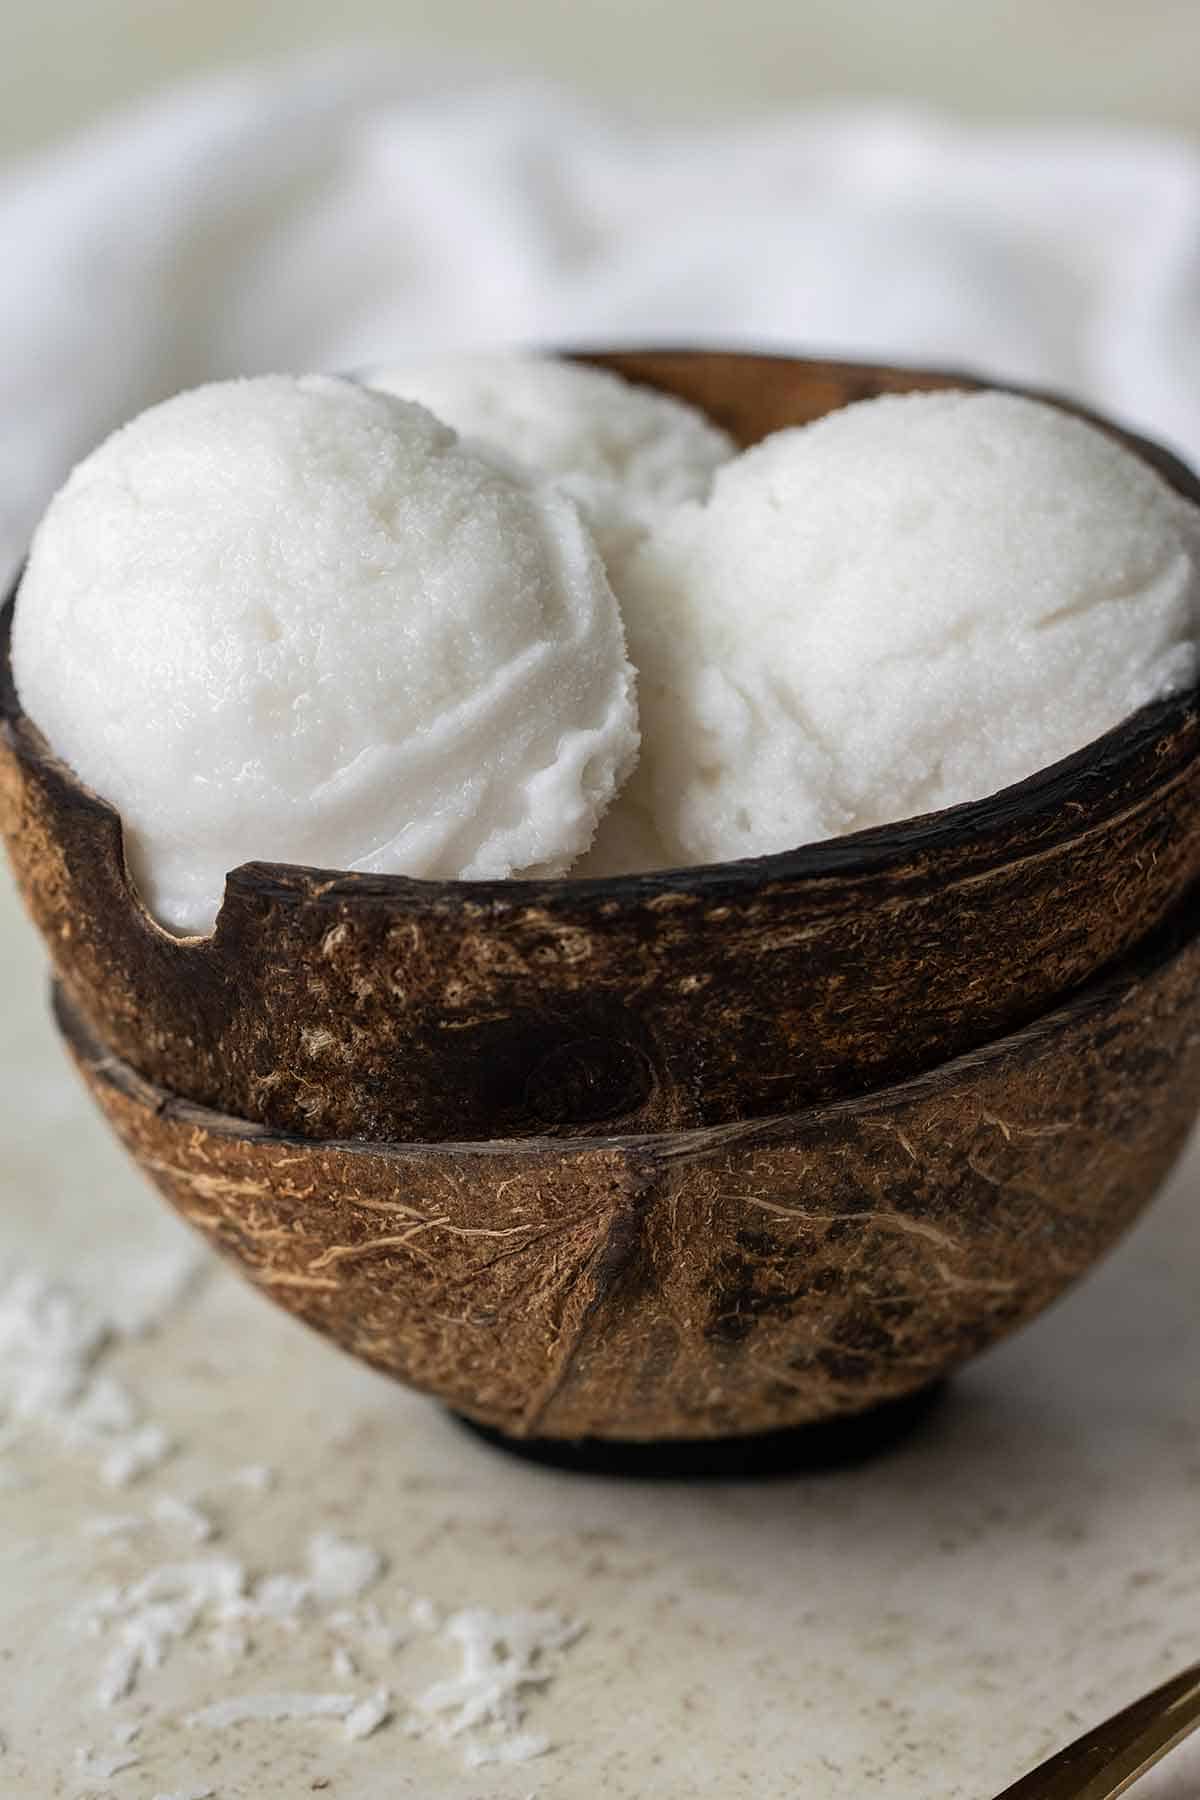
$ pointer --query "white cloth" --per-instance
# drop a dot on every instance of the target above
(345, 210)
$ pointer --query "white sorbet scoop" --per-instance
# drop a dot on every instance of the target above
(912, 602)
(295, 619)
(624, 453)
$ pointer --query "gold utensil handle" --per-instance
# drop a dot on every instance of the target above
(1106, 1762)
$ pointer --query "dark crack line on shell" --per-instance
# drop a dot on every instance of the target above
(560, 1228)
(608, 1264)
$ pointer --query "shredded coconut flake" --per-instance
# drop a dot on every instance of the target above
(256, 1478)
(118, 1677)
(113, 1525)
(242, 1709)
(280, 1597)
(52, 1343)
(340, 1569)
(522, 1747)
(368, 1715)
(183, 1516)
(102, 1765)
(105, 1408)
(51, 1349)
(49, 1342)
(503, 1655)
(229, 1641)
(151, 1615)
(369, 1627)
(139, 1453)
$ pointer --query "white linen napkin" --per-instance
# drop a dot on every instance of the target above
(346, 209)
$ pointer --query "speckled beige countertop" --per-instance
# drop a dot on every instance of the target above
(925, 1627)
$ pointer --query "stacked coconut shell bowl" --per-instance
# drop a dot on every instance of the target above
(677, 1158)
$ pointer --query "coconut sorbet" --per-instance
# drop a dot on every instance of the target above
(625, 454)
(300, 620)
(297, 620)
(912, 602)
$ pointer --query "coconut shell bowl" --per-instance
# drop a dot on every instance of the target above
(673, 1159)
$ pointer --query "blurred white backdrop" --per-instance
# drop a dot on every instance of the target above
(1135, 60)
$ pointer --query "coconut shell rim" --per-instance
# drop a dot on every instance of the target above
(1155, 952)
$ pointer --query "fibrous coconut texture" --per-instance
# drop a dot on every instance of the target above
(912, 602)
(300, 620)
(297, 620)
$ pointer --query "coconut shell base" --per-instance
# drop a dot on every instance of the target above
(718, 1282)
(824, 1445)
